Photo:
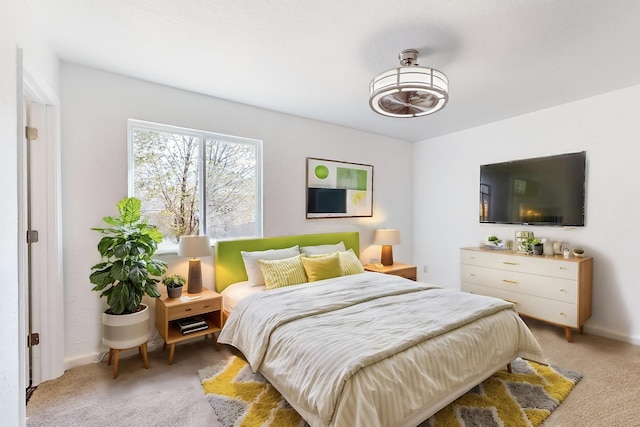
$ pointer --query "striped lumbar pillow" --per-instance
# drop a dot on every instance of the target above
(282, 272)
(350, 263)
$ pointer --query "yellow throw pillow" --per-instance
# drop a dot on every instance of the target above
(349, 263)
(282, 272)
(320, 268)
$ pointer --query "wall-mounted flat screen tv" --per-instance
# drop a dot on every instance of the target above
(539, 191)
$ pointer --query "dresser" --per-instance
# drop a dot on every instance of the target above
(550, 288)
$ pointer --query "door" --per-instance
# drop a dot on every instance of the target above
(43, 272)
(33, 162)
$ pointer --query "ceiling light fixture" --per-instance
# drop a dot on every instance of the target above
(410, 90)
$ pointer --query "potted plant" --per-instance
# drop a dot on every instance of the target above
(126, 274)
(174, 284)
(534, 246)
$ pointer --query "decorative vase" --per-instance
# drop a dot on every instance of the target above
(123, 331)
(174, 292)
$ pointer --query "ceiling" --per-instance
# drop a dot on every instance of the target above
(315, 59)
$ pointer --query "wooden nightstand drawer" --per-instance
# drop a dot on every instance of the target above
(194, 308)
(409, 273)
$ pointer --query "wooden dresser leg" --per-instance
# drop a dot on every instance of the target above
(110, 354)
(567, 333)
(509, 370)
(581, 330)
(116, 354)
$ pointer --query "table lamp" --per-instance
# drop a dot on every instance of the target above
(194, 247)
(386, 237)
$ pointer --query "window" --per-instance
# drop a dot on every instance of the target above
(195, 182)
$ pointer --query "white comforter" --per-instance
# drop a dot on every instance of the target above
(350, 350)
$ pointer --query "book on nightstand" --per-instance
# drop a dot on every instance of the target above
(190, 324)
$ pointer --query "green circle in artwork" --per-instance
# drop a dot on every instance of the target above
(322, 172)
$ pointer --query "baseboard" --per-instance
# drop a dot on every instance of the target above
(607, 333)
(81, 360)
(99, 357)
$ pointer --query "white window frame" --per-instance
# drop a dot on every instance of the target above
(203, 135)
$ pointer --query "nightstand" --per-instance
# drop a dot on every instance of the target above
(397, 269)
(207, 304)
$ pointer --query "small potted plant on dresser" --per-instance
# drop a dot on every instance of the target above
(534, 246)
(126, 274)
(174, 284)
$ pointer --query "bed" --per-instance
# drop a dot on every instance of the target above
(367, 349)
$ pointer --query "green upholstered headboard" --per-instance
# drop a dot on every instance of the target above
(229, 266)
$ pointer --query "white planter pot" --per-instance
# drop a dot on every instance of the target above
(122, 331)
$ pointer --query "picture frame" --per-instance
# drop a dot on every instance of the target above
(336, 189)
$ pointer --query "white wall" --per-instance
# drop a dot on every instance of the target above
(42, 65)
(446, 199)
(96, 106)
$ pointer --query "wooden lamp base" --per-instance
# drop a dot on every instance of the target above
(387, 255)
(194, 283)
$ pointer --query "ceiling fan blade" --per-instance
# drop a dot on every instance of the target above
(422, 99)
(394, 103)
(408, 102)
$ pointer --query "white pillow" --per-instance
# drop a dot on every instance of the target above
(251, 266)
(322, 249)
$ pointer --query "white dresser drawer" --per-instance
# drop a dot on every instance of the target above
(540, 265)
(546, 287)
(558, 312)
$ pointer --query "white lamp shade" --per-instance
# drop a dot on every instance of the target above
(194, 246)
(386, 236)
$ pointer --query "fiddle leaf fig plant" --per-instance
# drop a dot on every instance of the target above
(127, 271)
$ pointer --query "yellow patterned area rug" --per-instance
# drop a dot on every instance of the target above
(526, 397)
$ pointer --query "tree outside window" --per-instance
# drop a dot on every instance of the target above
(195, 182)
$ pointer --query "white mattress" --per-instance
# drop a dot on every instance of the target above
(234, 293)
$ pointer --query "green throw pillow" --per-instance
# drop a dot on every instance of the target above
(320, 268)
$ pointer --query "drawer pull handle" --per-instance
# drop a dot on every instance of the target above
(562, 313)
(509, 281)
(562, 268)
(562, 290)
(472, 275)
(206, 306)
(188, 309)
(509, 263)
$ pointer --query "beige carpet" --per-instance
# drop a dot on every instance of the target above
(164, 395)
(609, 392)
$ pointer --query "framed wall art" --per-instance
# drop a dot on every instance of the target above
(338, 189)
